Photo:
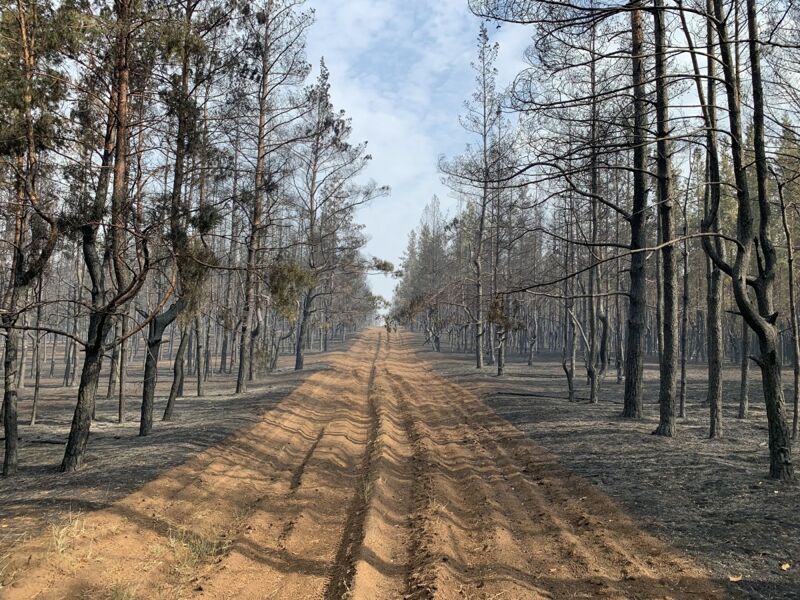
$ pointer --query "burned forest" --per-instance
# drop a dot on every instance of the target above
(375, 299)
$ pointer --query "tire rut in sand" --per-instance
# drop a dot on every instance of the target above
(294, 483)
(420, 579)
(470, 534)
(341, 579)
(387, 561)
(290, 548)
(160, 540)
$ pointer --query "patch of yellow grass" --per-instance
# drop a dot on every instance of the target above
(64, 534)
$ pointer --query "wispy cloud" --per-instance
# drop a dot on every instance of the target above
(400, 68)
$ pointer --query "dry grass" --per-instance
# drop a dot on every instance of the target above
(8, 569)
(64, 534)
(121, 591)
(192, 549)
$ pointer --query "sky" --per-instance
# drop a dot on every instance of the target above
(401, 71)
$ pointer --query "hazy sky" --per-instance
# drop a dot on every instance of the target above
(401, 70)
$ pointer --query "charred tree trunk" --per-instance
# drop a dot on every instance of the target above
(155, 337)
(761, 315)
(744, 381)
(302, 330)
(177, 378)
(502, 334)
(592, 317)
(114, 367)
(37, 360)
(199, 355)
(711, 197)
(793, 310)
(669, 355)
(10, 364)
(684, 306)
(257, 215)
(714, 344)
(123, 368)
(99, 325)
(637, 308)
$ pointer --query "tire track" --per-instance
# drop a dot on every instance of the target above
(469, 516)
(162, 540)
(290, 547)
(420, 578)
(341, 579)
(580, 538)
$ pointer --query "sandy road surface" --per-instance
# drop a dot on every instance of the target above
(374, 479)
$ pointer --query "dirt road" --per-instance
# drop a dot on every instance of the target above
(375, 479)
